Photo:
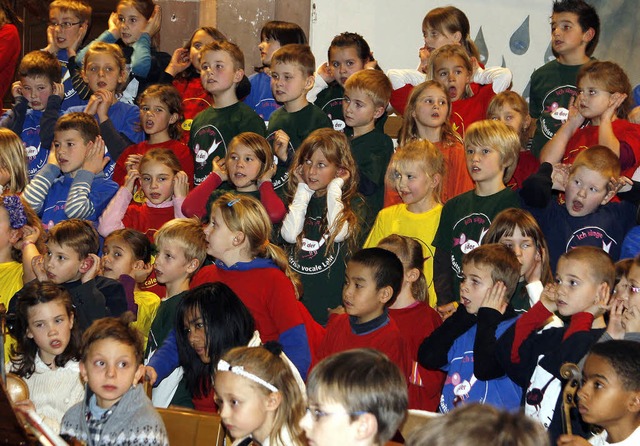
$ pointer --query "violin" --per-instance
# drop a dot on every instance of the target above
(570, 372)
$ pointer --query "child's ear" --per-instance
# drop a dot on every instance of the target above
(412, 275)
(123, 76)
(173, 118)
(379, 111)
(607, 198)
(273, 401)
(193, 266)
(72, 320)
(526, 122)
(603, 292)
(29, 334)
(588, 35)
(435, 180)
(633, 404)
(367, 427)
(309, 83)
(139, 375)
(238, 75)
(86, 264)
(385, 294)
(457, 37)
(139, 265)
(238, 238)
(83, 372)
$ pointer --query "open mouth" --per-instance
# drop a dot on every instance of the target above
(102, 84)
(453, 92)
(577, 206)
(55, 344)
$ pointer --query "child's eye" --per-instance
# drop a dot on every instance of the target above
(145, 108)
(39, 324)
(593, 189)
(234, 157)
(197, 46)
(123, 364)
(99, 363)
(308, 162)
(485, 151)
(199, 325)
(117, 254)
(287, 78)
(508, 244)
(573, 283)
(59, 320)
(321, 165)
(335, 64)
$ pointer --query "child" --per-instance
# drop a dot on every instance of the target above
(165, 187)
(272, 404)
(490, 275)
(518, 230)
(324, 219)
(344, 408)
(69, 22)
(417, 168)
(114, 411)
(72, 184)
(38, 95)
(160, 117)
(13, 163)
(248, 169)
(491, 154)
(604, 99)
(126, 257)
(373, 280)
(273, 35)
(427, 117)
(47, 353)
(575, 29)
(415, 319)
(366, 96)
(511, 108)
(182, 248)
(586, 217)
(132, 27)
(11, 45)
(291, 79)
(221, 70)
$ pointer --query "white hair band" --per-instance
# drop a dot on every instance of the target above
(224, 366)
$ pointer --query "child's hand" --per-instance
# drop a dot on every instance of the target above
(297, 173)
(634, 115)
(337, 310)
(130, 180)
(560, 176)
(105, 99)
(92, 106)
(631, 320)
(325, 72)
(94, 268)
(28, 234)
(535, 274)
(219, 168)
(37, 264)
(615, 327)
(150, 374)
(423, 55)
(615, 101)
(622, 184)
(494, 297)
(343, 173)
(141, 274)
(575, 119)
(94, 160)
(51, 158)
(446, 310)
(281, 145)
(75, 44)
(58, 89)
(52, 46)
(114, 25)
(153, 24)
(268, 174)
(133, 162)
(180, 61)
(549, 297)
(571, 440)
(16, 89)
(372, 63)
(24, 406)
(601, 304)
(181, 185)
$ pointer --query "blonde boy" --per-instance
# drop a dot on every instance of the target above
(491, 152)
(221, 70)
(291, 79)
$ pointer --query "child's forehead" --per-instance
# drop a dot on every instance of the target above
(566, 16)
(474, 267)
(580, 268)
(287, 67)
(101, 57)
(358, 94)
(35, 79)
(217, 55)
(64, 248)
(360, 270)
(62, 14)
(585, 173)
(68, 134)
(344, 52)
(111, 347)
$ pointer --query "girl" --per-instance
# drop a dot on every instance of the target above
(132, 27)
(126, 257)
(415, 319)
(105, 72)
(47, 353)
(325, 218)
(165, 186)
(598, 116)
(273, 35)
(511, 108)
(519, 231)
(13, 162)
(417, 168)
(247, 168)
(427, 117)
(272, 404)
(160, 117)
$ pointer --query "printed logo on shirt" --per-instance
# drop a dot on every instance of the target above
(282, 177)
(542, 395)
(308, 262)
(265, 108)
(555, 109)
(464, 233)
(333, 109)
(591, 236)
(210, 144)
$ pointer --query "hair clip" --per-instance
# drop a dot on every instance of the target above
(15, 208)
(232, 202)
(224, 366)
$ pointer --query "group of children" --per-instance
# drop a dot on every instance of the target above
(169, 211)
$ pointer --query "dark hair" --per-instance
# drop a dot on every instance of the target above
(624, 358)
(215, 34)
(355, 40)
(284, 32)
(169, 96)
(144, 7)
(118, 329)
(139, 244)
(24, 353)
(587, 18)
(84, 123)
(7, 14)
(227, 323)
(40, 64)
(79, 235)
(387, 268)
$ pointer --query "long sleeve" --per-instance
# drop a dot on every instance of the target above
(442, 277)
(78, 203)
(499, 78)
(36, 191)
(318, 85)
(295, 345)
(14, 120)
(293, 222)
(177, 207)
(536, 190)
(527, 324)
(334, 209)
(195, 204)
(141, 56)
(486, 365)
(111, 218)
(165, 359)
(271, 202)
(49, 119)
(115, 141)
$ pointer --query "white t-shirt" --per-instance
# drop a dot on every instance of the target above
(631, 440)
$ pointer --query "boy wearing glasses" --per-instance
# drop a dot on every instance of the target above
(356, 397)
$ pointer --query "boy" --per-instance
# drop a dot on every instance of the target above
(366, 96)
(182, 248)
(356, 397)
(115, 410)
(69, 21)
(575, 29)
(491, 153)
(609, 396)
(38, 95)
(586, 218)
(372, 282)
(291, 79)
(72, 184)
(532, 359)
(490, 276)
(221, 69)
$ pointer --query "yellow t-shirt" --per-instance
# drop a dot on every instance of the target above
(11, 283)
(148, 304)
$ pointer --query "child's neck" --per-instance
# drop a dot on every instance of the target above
(489, 187)
(159, 137)
(598, 120)
(431, 134)
(405, 298)
(577, 57)
(242, 254)
(5, 254)
(262, 433)
(177, 286)
(621, 429)
(422, 206)
(296, 105)
(222, 99)
(364, 129)
(251, 187)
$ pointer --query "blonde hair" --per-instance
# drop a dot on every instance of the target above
(163, 156)
(374, 83)
(498, 136)
(13, 158)
(518, 104)
(258, 145)
(449, 52)
(596, 260)
(269, 366)
(409, 251)
(614, 80)
(423, 153)
(107, 48)
(79, 8)
(409, 130)
(244, 213)
(188, 233)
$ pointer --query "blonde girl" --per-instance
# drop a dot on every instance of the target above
(126, 257)
(272, 403)
(415, 319)
(13, 162)
(47, 352)
(598, 116)
(417, 168)
(519, 231)
(160, 118)
(247, 168)
(325, 218)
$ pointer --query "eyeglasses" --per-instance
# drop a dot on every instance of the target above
(63, 25)
(317, 414)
